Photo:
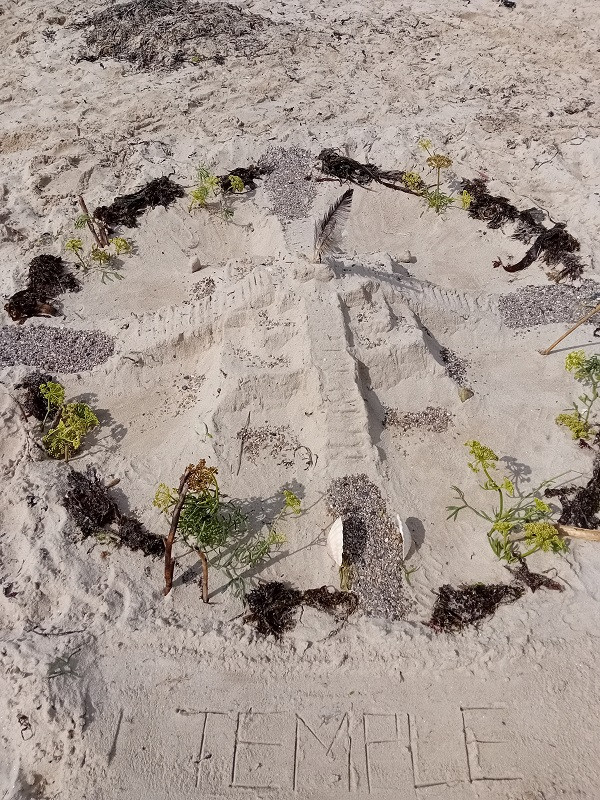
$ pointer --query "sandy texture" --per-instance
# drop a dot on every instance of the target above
(107, 689)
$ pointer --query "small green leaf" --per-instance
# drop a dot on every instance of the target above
(81, 221)
(580, 429)
(165, 497)
(237, 184)
(74, 246)
(544, 536)
(292, 502)
(121, 245)
(53, 393)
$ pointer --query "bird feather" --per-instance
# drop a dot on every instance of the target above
(326, 229)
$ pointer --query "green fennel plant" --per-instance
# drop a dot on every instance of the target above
(433, 195)
(72, 422)
(54, 395)
(216, 529)
(516, 518)
(209, 190)
(586, 370)
(98, 259)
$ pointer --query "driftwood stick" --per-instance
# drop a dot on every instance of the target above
(169, 560)
(570, 532)
(90, 224)
(589, 315)
(112, 483)
(204, 561)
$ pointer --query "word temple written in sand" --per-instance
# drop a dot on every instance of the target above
(349, 753)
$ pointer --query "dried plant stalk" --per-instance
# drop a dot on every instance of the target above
(169, 560)
(99, 235)
(589, 315)
(204, 561)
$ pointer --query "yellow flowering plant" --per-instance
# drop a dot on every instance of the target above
(516, 514)
(436, 199)
(585, 370)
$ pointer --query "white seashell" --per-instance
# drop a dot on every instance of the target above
(407, 541)
(335, 541)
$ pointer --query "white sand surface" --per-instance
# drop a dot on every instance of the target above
(167, 698)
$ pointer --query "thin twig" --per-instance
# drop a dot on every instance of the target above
(55, 633)
(243, 437)
(589, 315)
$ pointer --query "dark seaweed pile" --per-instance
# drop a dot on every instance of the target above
(247, 175)
(553, 245)
(47, 279)
(347, 169)
(165, 34)
(30, 399)
(469, 604)
(25, 304)
(273, 606)
(580, 504)
(125, 209)
(92, 509)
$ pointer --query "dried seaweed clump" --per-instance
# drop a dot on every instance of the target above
(164, 34)
(372, 545)
(92, 509)
(247, 175)
(48, 276)
(273, 606)
(47, 279)
(347, 169)
(580, 504)
(30, 399)
(553, 245)
(125, 209)
(469, 604)
(534, 580)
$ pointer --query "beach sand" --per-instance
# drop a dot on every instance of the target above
(109, 690)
